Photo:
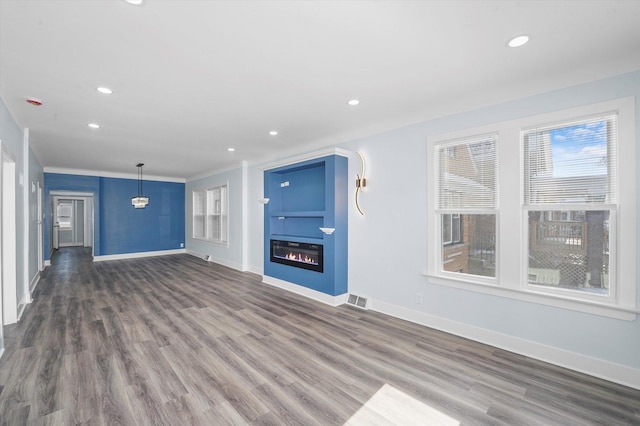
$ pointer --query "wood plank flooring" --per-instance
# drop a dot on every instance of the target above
(175, 340)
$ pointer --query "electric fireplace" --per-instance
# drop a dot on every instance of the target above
(298, 255)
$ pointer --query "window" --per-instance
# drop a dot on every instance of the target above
(541, 209)
(198, 214)
(64, 215)
(451, 231)
(570, 194)
(466, 203)
(210, 214)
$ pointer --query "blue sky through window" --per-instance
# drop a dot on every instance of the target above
(580, 150)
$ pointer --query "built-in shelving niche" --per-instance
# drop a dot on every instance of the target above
(303, 198)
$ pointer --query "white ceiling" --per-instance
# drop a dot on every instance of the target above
(193, 78)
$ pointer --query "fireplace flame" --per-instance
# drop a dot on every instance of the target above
(299, 257)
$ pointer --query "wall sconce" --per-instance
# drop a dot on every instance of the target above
(361, 182)
(263, 200)
(139, 201)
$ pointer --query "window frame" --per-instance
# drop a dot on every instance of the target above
(511, 279)
(211, 209)
(451, 205)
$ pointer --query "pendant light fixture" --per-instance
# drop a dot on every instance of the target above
(140, 201)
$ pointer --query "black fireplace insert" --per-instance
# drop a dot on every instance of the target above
(298, 255)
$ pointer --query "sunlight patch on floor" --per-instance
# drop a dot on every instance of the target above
(390, 406)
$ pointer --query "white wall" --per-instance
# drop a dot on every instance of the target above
(35, 175)
(388, 251)
(226, 254)
(12, 138)
(255, 218)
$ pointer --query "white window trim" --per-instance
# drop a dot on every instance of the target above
(207, 214)
(511, 273)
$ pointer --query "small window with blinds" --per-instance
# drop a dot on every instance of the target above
(210, 214)
(570, 195)
(466, 205)
(198, 214)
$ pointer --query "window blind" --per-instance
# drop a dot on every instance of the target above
(467, 174)
(198, 214)
(571, 163)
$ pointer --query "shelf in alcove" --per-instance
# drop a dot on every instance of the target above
(316, 213)
(296, 238)
(303, 226)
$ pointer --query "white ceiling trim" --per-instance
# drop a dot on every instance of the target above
(95, 173)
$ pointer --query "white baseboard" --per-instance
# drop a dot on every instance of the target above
(22, 305)
(34, 282)
(137, 255)
(210, 258)
(306, 292)
(196, 254)
(616, 373)
(28, 296)
(255, 270)
(233, 265)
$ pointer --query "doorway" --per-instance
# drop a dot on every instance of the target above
(40, 230)
(72, 219)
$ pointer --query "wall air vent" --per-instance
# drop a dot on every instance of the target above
(357, 301)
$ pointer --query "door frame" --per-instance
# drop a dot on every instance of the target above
(78, 220)
(89, 213)
(39, 221)
(8, 239)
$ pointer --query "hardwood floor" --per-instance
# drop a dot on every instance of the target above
(174, 340)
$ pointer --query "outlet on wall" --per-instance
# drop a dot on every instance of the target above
(419, 298)
(181, 245)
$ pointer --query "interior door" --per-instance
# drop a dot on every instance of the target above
(70, 222)
(64, 210)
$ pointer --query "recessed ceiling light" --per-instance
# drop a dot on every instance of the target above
(518, 41)
(94, 125)
(104, 90)
(353, 102)
(273, 132)
(134, 2)
(231, 149)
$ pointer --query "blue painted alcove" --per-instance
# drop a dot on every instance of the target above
(302, 198)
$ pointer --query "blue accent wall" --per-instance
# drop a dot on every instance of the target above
(124, 229)
(118, 227)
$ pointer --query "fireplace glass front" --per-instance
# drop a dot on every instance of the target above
(298, 255)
